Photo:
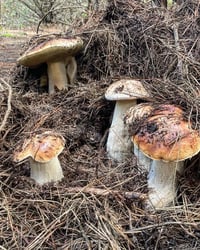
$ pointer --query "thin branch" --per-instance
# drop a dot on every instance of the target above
(177, 46)
(30, 7)
(8, 105)
(52, 10)
(106, 192)
(168, 223)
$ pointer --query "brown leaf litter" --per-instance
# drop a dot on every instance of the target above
(129, 39)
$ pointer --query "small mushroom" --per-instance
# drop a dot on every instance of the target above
(168, 140)
(43, 150)
(58, 54)
(125, 93)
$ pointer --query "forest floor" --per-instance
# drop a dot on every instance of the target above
(89, 208)
(10, 49)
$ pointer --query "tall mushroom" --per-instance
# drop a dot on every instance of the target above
(125, 93)
(58, 54)
(168, 140)
(43, 150)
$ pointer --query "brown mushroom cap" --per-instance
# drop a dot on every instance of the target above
(41, 147)
(126, 89)
(167, 109)
(138, 112)
(167, 137)
(50, 50)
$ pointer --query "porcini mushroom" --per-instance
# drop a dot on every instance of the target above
(43, 150)
(125, 92)
(56, 53)
(168, 140)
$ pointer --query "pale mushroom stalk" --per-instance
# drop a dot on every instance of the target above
(57, 75)
(71, 68)
(143, 161)
(119, 142)
(162, 182)
(45, 172)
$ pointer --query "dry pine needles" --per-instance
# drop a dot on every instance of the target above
(128, 39)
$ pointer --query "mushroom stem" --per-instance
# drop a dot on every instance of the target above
(57, 75)
(143, 161)
(119, 142)
(71, 68)
(46, 171)
(162, 182)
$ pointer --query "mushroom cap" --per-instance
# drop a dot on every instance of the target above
(167, 137)
(41, 147)
(167, 109)
(126, 89)
(51, 50)
(143, 110)
(138, 113)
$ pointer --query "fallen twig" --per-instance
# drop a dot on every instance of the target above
(8, 104)
(177, 46)
(105, 192)
(141, 229)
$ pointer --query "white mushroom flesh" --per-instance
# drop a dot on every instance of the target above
(119, 142)
(46, 172)
(162, 183)
(143, 161)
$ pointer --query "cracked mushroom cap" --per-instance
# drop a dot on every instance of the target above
(138, 113)
(167, 109)
(50, 50)
(167, 137)
(41, 147)
(126, 89)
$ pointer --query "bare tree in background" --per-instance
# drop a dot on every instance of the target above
(42, 9)
(52, 11)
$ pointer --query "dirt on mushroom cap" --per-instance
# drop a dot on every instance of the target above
(167, 137)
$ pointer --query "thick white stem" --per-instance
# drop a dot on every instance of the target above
(119, 143)
(143, 161)
(46, 172)
(162, 183)
(57, 75)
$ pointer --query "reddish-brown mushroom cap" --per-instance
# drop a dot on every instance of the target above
(41, 147)
(167, 109)
(167, 137)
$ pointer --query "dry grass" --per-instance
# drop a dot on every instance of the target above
(132, 40)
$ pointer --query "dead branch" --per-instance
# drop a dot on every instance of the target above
(106, 192)
(168, 223)
(8, 104)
